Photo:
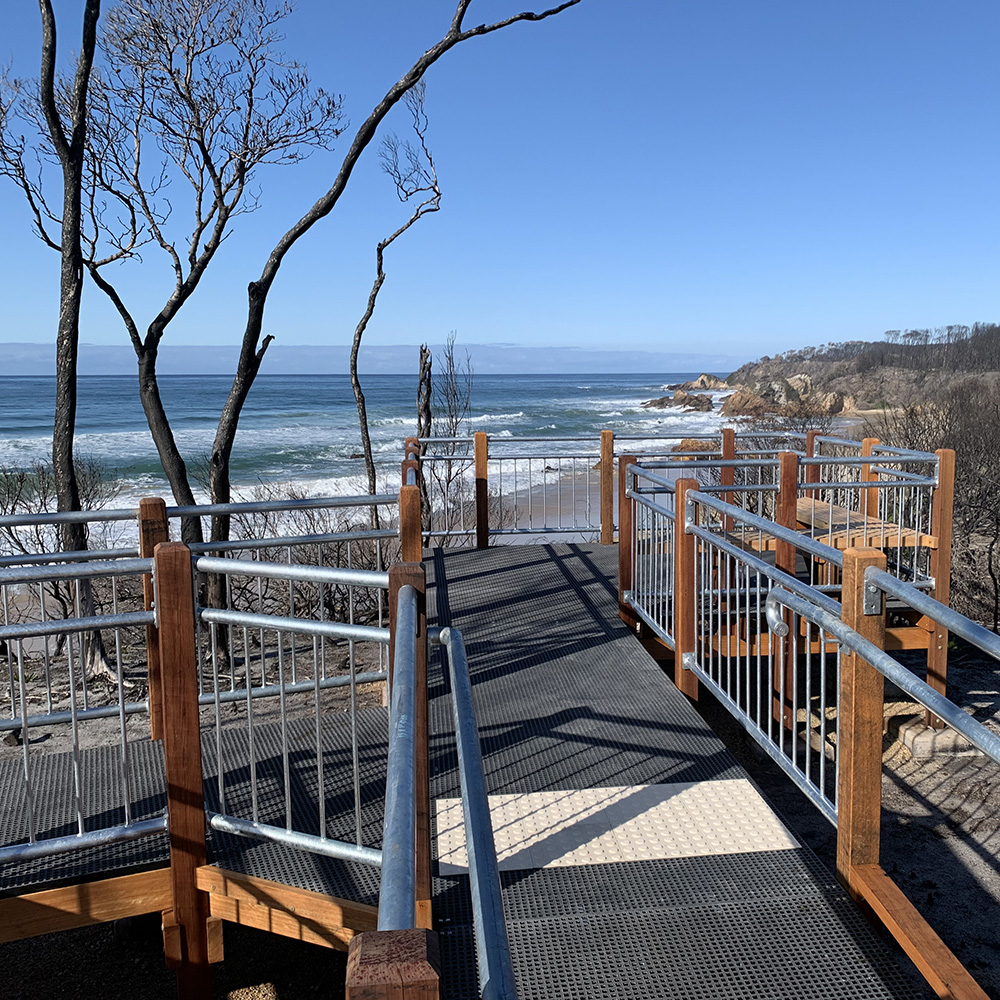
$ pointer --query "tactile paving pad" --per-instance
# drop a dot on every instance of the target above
(612, 825)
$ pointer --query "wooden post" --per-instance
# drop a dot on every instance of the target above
(182, 760)
(785, 512)
(869, 497)
(410, 536)
(411, 449)
(727, 474)
(393, 965)
(401, 575)
(481, 451)
(684, 591)
(626, 541)
(860, 725)
(942, 510)
(153, 529)
(607, 487)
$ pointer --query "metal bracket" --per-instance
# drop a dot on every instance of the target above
(872, 603)
(775, 617)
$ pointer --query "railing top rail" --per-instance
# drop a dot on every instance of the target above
(779, 435)
(239, 544)
(445, 440)
(980, 637)
(645, 473)
(844, 442)
(86, 555)
(766, 451)
(590, 455)
(714, 463)
(46, 574)
(286, 571)
(266, 506)
(976, 733)
(888, 449)
(911, 458)
(522, 439)
(778, 531)
(711, 436)
(68, 517)
(863, 484)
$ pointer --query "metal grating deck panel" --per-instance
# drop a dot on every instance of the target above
(102, 796)
(566, 699)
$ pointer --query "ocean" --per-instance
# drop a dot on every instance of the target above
(302, 430)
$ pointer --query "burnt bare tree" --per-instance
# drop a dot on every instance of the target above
(425, 418)
(203, 91)
(963, 416)
(56, 110)
(253, 348)
(188, 93)
(197, 93)
(412, 170)
(451, 493)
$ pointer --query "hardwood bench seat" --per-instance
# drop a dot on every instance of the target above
(844, 529)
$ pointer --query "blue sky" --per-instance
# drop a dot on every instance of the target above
(672, 176)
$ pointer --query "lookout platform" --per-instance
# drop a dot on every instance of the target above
(637, 857)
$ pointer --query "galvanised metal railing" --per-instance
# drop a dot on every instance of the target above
(797, 656)
(398, 893)
(983, 739)
(247, 656)
(498, 487)
(526, 488)
(789, 710)
(80, 674)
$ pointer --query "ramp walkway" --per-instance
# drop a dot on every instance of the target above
(637, 857)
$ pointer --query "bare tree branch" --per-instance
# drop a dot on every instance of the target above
(412, 171)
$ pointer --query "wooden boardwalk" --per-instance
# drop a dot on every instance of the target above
(637, 857)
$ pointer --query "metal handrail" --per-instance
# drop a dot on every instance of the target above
(862, 484)
(265, 506)
(86, 555)
(290, 571)
(918, 458)
(68, 517)
(64, 626)
(976, 733)
(496, 970)
(245, 544)
(47, 574)
(326, 846)
(397, 899)
(81, 841)
(980, 637)
(331, 630)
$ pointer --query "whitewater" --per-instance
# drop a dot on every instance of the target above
(301, 431)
